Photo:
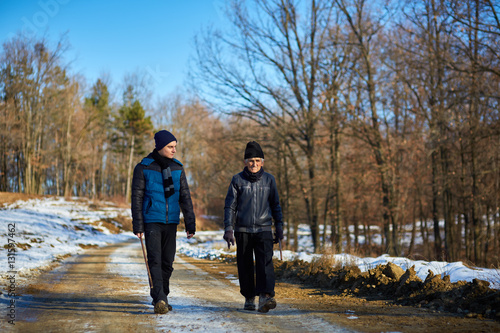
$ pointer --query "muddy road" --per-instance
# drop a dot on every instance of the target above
(106, 290)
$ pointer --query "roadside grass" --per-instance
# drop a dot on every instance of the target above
(330, 260)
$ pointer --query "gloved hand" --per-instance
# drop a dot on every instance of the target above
(278, 235)
(229, 238)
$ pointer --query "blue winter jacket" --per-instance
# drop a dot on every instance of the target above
(148, 197)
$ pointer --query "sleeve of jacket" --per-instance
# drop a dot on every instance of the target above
(274, 202)
(186, 204)
(230, 206)
(138, 186)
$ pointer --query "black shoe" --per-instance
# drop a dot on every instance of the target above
(249, 304)
(266, 303)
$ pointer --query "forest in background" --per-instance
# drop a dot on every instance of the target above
(378, 113)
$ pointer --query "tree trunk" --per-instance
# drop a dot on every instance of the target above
(413, 227)
(27, 153)
(333, 200)
(287, 214)
(67, 178)
(338, 196)
(129, 169)
(435, 214)
(476, 221)
(487, 241)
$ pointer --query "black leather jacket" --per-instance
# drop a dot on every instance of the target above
(251, 207)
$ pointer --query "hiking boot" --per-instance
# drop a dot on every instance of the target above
(161, 307)
(266, 303)
(249, 304)
(169, 307)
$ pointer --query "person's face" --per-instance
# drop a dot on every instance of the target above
(254, 164)
(169, 150)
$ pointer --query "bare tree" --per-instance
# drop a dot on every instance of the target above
(278, 48)
(97, 105)
(477, 63)
(364, 101)
(31, 73)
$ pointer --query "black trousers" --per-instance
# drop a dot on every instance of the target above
(160, 244)
(258, 278)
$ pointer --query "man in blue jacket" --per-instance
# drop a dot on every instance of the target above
(159, 192)
(252, 202)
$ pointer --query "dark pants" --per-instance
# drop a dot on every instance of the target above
(259, 278)
(160, 244)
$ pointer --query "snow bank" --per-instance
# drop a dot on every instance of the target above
(47, 229)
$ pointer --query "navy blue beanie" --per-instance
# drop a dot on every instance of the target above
(163, 138)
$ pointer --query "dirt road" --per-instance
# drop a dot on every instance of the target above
(106, 290)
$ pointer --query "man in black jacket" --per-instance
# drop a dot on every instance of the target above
(159, 192)
(252, 202)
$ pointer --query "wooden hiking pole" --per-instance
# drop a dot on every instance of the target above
(146, 261)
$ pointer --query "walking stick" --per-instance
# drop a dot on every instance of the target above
(146, 261)
(281, 254)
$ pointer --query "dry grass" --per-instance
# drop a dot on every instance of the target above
(328, 261)
(9, 197)
(208, 225)
(201, 225)
(115, 225)
(496, 274)
(88, 246)
(23, 246)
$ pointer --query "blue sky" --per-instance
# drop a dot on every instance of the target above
(118, 37)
